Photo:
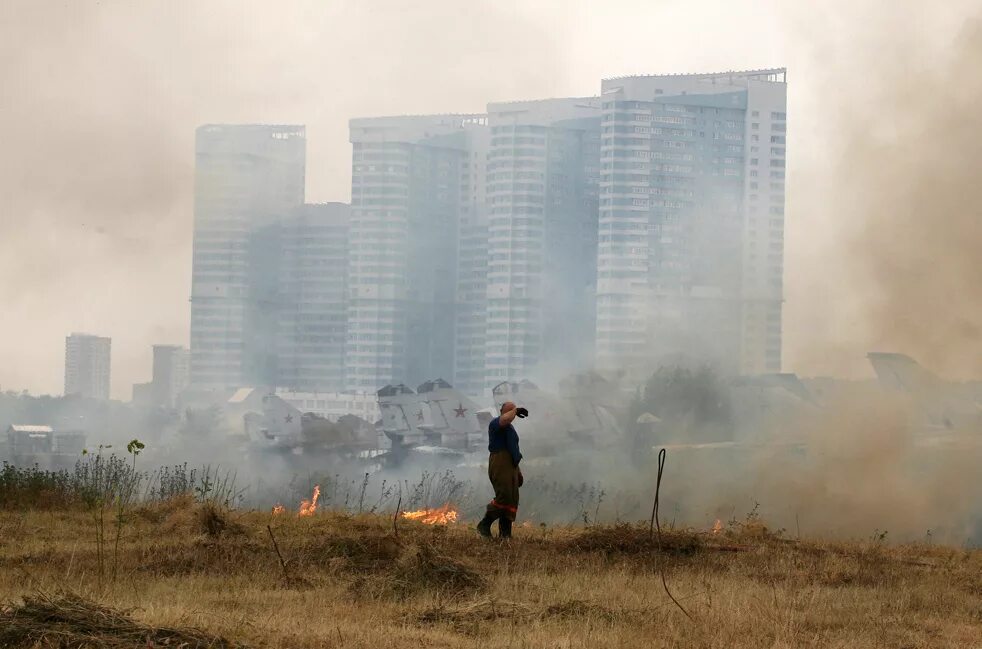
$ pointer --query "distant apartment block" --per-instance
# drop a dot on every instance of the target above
(87, 364)
(470, 330)
(171, 373)
(143, 394)
(312, 297)
(247, 178)
(473, 244)
(691, 221)
(542, 190)
(535, 240)
(407, 190)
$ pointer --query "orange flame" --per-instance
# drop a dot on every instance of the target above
(278, 509)
(308, 507)
(717, 526)
(438, 516)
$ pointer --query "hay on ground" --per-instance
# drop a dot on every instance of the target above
(422, 569)
(71, 622)
(485, 610)
(214, 522)
(634, 539)
(493, 610)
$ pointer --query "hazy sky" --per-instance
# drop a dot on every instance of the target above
(100, 101)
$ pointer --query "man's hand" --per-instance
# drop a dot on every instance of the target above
(521, 478)
(521, 413)
(507, 417)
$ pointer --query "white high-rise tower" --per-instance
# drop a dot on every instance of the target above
(247, 178)
(87, 365)
(691, 236)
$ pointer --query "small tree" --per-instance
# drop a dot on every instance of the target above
(124, 496)
(694, 403)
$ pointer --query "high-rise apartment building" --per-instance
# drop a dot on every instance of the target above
(171, 370)
(471, 237)
(247, 178)
(691, 228)
(470, 333)
(542, 191)
(763, 226)
(407, 190)
(87, 364)
(312, 300)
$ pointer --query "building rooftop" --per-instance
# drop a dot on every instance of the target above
(762, 74)
(287, 127)
(550, 100)
(30, 428)
(241, 395)
(452, 121)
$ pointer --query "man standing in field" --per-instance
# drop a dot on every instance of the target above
(503, 471)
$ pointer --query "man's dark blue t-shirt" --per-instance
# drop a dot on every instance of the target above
(504, 438)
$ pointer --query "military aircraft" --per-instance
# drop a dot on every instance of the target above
(401, 415)
(434, 418)
(450, 418)
(584, 414)
(281, 427)
(940, 404)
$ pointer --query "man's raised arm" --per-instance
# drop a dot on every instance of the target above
(507, 418)
(508, 413)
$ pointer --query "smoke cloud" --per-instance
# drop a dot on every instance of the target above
(885, 224)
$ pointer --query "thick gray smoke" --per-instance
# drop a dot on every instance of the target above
(897, 187)
(917, 194)
(884, 232)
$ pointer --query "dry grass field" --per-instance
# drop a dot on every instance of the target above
(190, 575)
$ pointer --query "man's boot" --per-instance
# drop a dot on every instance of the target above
(504, 527)
(484, 527)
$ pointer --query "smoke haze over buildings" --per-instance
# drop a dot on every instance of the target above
(101, 102)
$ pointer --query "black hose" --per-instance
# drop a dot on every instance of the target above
(654, 508)
(655, 524)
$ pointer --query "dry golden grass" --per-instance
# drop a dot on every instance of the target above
(351, 583)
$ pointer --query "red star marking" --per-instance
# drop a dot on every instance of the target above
(459, 410)
(289, 418)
